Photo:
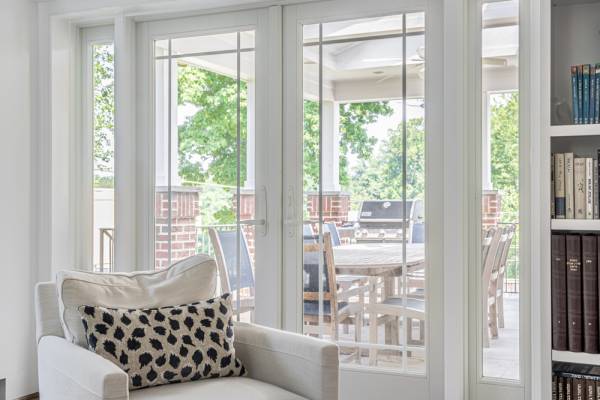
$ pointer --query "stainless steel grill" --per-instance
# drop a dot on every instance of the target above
(383, 221)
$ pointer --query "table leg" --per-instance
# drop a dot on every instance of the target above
(372, 319)
(391, 325)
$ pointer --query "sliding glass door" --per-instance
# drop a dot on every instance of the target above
(356, 161)
(210, 193)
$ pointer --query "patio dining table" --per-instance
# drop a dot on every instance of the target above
(376, 261)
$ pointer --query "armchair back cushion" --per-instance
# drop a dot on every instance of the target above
(185, 282)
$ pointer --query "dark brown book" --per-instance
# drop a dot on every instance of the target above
(559, 293)
(589, 272)
(568, 382)
(574, 293)
(578, 389)
(554, 387)
(590, 389)
(597, 390)
(560, 387)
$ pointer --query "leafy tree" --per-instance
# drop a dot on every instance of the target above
(208, 139)
(380, 177)
(104, 117)
(354, 139)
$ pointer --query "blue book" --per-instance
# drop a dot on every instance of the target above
(574, 94)
(592, 107)
(585, 71)
(580, 93)
(597, 98)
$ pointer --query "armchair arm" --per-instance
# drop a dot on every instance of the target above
(306, 366)
(70, 372)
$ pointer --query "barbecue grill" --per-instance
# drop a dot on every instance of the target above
(383, 221)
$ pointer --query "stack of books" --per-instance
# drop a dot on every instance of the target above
(574, 182)
(574, 283)
(575, 381)
(585, 90)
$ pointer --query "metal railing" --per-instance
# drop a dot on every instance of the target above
(204, 244)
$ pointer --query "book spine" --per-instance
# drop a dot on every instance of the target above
(559, 292)
(568, 388)
(554, 387)
(595, 191)
(575, 93)
(569, 195)
(586, 93)
(552, 190)
(589, 246)
(574, 298)
(589, 188)
(597, 390)
(592, 105)
(580, 187)
(580, 92)
(597, 98)
(590, 389)
(561, 388)
(579, 389)
(559, 185)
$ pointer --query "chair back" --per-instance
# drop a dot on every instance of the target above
(312, 280)
(490, 249)
(308, 234)
(225, 247)
(335, 235)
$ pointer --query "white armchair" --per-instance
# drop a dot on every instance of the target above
(281, 366)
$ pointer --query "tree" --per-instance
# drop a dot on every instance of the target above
(380, 177)
(354, 139)
(104, 117)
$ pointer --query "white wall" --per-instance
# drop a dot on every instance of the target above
(17, 342)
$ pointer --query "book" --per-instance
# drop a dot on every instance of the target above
(597, 97)
(574, 295)
(580, 92)
(592, 105)
(580, 187)
(590, 389)
(559, 292)
(569, 188)
(589, 188)
(552, 205)
(585, 71)
(595, 190)
(589, 272)
(559, 185)
(575, 94)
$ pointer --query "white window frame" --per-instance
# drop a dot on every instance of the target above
(356, 382)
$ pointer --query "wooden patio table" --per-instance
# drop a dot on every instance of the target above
(375, 261)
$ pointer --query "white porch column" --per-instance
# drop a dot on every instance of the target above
(331, 146)
(162, 124)
(251, 136)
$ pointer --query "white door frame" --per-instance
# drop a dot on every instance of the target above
(267, 23)
(359, 383)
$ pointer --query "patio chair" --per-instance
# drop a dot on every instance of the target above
(337, 308)
(224, 245)
(331, 227)
(493, 243)
(510, 232)
(308, 234)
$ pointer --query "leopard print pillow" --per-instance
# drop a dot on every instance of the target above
(156, 346)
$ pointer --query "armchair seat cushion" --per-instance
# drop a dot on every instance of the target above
(225, 388)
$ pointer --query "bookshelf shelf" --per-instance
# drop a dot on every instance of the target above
(576, 224)
(577, 358)
(574, 130)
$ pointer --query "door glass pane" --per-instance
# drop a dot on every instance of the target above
(500, 195)
(103, 79)
(364, 191)
(205, 192)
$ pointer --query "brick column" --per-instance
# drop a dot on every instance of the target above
(335, 206)
(490, 208)
(185, 209)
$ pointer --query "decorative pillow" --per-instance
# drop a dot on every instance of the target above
(156, 346)
(186, 281)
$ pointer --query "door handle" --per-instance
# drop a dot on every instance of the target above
(260, 222)
(253, 222)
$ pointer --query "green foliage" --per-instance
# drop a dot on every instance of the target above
(380, 176)
(354, 139)
(104, 114)
(208, 139)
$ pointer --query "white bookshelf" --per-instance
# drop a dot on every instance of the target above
(577, 358)
(574, 130)
(576, 224)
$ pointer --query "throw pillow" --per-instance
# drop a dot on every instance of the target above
(156, 346)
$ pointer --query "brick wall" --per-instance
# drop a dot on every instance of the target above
(185, 209)
(491, 207)
(335, 207)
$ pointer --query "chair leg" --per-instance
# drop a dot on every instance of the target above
(500, 305)
(493, 321)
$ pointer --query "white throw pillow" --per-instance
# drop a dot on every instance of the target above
(185, 282)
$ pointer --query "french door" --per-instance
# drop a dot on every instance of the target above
(361, 251)
(211, 155)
